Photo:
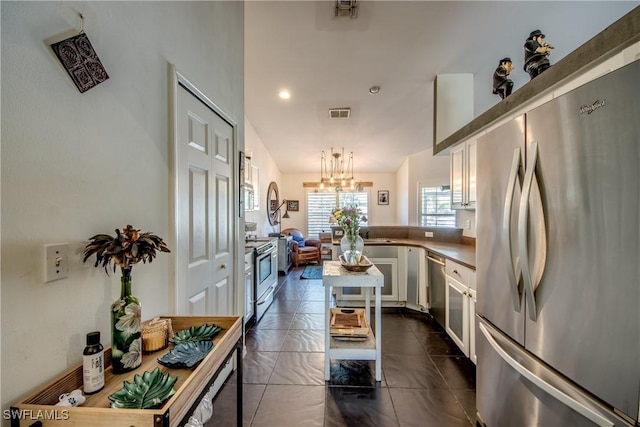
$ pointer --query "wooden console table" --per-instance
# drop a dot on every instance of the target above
(334, 275)
(190, 387)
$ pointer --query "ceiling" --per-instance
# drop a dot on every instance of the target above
(328, 62)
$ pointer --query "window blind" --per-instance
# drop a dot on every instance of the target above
(320, 205)
(435, 208)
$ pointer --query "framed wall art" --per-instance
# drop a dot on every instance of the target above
(293, 205)
(383, 197)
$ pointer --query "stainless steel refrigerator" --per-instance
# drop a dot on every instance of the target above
(558, 331)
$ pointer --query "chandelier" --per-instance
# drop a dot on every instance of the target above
(336, 176)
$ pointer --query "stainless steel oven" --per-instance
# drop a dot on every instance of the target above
(266, 275)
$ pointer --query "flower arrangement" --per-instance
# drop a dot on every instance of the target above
(351, 243)
(348, 218)
(126, 249)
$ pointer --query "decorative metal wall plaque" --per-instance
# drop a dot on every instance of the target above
(81, 62)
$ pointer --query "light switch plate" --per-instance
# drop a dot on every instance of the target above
(428, 234)
(56, 261)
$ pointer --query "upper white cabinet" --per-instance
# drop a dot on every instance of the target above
(463, 175)
(251, 187)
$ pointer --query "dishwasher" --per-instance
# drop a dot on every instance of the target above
(437, 287)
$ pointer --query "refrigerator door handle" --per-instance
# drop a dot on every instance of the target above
(531, 274)
(583, 410)
(514, 272)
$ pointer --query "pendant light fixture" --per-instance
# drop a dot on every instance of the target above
(335, 175)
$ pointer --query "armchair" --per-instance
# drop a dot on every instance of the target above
(303, 250)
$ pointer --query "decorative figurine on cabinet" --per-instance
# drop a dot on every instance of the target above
(502, 85)
(536, 54)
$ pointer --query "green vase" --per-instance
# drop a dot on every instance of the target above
(126, 338)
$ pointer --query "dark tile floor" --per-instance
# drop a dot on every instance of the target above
(426, 380)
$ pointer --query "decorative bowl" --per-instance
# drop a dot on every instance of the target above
(186, 355)
(196, 333)
(146, 391)
(363, 266)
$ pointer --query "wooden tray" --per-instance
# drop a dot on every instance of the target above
(96, 412)
(363, 266)
(348, 323)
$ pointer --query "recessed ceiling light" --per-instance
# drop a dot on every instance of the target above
(284, 94)
(374, 90)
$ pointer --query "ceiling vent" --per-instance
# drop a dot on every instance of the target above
(339, 113)
(347, 8)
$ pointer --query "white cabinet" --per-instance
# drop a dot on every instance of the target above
(461, 307)
(248, 292)
(251, 187)
(416, 273)
(385, 259)
(463, 175)
(284, 254)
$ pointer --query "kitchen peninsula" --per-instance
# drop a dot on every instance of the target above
(425, 269)
(448, 242)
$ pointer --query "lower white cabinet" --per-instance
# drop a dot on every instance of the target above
(386, 259)
(248, 289)
(460, 317)
(416, 277)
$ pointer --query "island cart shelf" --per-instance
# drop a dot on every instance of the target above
(334, 275)
(190, 387)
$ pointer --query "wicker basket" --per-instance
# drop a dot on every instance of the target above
(155, 334)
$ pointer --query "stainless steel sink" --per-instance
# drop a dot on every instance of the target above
(378, 240)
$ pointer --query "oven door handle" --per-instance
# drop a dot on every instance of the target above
(267, 297)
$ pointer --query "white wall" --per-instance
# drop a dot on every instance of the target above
(291, 188)
(403, 190)
(74, 165)
(267, 172)
(429, 170)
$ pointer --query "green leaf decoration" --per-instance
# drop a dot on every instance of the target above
(196, 333)
(186, 355)
(146, 391)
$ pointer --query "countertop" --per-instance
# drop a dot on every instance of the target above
(462, 253)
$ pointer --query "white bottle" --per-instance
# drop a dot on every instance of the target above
(93, 364)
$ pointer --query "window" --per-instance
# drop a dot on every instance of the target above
(435, 208)
(320, 205)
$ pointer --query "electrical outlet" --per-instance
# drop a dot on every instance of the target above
(56, 261)
(468, 224)
(428, 234)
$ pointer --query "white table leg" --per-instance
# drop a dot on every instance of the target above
(367, 304)
(378, 292)
(327, 332)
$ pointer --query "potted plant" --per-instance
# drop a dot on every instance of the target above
(127, 248)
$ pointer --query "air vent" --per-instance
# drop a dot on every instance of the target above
(339, 113)
(347, 8)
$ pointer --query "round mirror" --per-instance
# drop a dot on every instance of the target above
(273, 200)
